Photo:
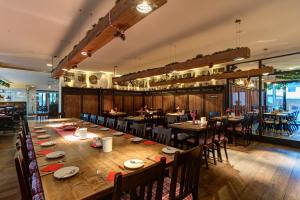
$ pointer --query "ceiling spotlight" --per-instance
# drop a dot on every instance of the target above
(238, 59)
(49, 65)
(84, 53)
(144, 7)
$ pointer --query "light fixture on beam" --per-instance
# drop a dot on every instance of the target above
(49, 65)
(144, 7)
(84, 53)
(238, 59)
(65, 70)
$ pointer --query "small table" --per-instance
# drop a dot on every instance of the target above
(187, 127)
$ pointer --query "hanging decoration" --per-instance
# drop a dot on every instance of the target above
(289, 76)
(4, 83)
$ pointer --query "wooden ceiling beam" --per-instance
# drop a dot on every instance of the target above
(230, 75)
(208, 60)
(15, 67)
(122, 16)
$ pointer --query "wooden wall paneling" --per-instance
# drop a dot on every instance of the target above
(90, 104)
(118, 102)
(196, 103)
(128, 104)
(214, 103)
(72, 105)
(182, 101)
(138, 103)
(157, 102)
(107, 102)
(168, 103)
(148, 101)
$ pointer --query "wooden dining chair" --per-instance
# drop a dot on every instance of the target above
(221, 139)
(101, 120)
(122, 125)
(162, 135)
(93, 119)
(22, 176)
(183, 118)
(146, 183)
(86, 117)
(81, 117)
(139, 130)
(185, 175)
(110, 123)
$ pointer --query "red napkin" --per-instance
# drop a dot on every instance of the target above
(157, 158)
(44, 152)
(111, 176)
(127, 136)
(52, 167)
(41, 141)
(149, 142)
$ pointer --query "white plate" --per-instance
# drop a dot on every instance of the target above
(43, 136)
(37, 127)
(178, 123)
(40, 131)
(55, 154)
(134, 164)
(66, 172)
(189, 121)
(169, 150)
(136, 139)
(94, 126)
(47, 144)
(118, 133)
(104, 129)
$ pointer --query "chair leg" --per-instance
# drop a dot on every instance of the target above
(205, 157)
(214, 155)
(225, 150)
(219, 152)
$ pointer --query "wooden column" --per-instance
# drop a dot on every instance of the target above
(260, 98)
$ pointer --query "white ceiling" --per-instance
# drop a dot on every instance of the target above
(32, 31)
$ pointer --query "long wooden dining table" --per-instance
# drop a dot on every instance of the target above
(96, 168)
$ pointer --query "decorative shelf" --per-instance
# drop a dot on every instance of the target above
(208, 60)
(230, 75)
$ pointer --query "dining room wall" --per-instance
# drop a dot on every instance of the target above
(99, 101)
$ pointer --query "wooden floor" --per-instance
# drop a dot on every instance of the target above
(260, 171)
(9, 187)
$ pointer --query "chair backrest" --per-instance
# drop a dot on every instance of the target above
(101, 120)
(162, 135)
(211, 130)
(61, 115)
(139, 184)
(139, 129)
(81, 116)
(184, 118)
(93, 119)
(171, 119)
(86, 117)
(22, 176)
(110, 123)
(186, 168)
(122, 125)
